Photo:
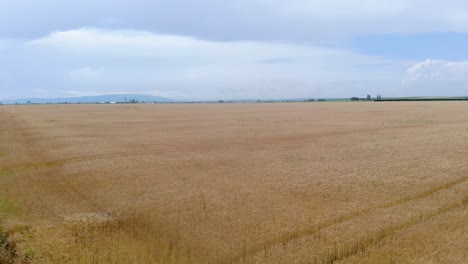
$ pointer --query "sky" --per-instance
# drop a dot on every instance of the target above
(233, 49)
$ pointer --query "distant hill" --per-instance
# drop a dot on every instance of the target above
(91, 99)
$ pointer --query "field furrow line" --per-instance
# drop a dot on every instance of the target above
(294, 235)
(360, 246)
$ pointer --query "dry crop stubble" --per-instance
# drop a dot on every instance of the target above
(233, 182)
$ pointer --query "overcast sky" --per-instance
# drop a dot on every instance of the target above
(233, 49)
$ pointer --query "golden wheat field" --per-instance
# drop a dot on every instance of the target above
(235, 183)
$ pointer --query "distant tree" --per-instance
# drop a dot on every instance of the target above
(354, 98)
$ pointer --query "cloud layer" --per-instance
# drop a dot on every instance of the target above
(293, 21)
(183, 67)
(212, 49)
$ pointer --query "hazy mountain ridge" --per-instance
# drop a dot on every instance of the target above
(91, 99)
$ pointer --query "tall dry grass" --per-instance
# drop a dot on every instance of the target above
(279, 183)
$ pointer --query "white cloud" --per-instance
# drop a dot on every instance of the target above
(212, 48)
(192, 68)
(293, 20)
(125, 43)
(182, 67)
(436, 78)
(433, 70)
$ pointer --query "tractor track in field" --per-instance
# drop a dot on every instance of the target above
(361, 246)
(311, 230)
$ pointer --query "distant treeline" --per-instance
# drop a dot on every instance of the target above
(421, 99)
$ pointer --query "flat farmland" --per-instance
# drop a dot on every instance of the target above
(235, 183)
